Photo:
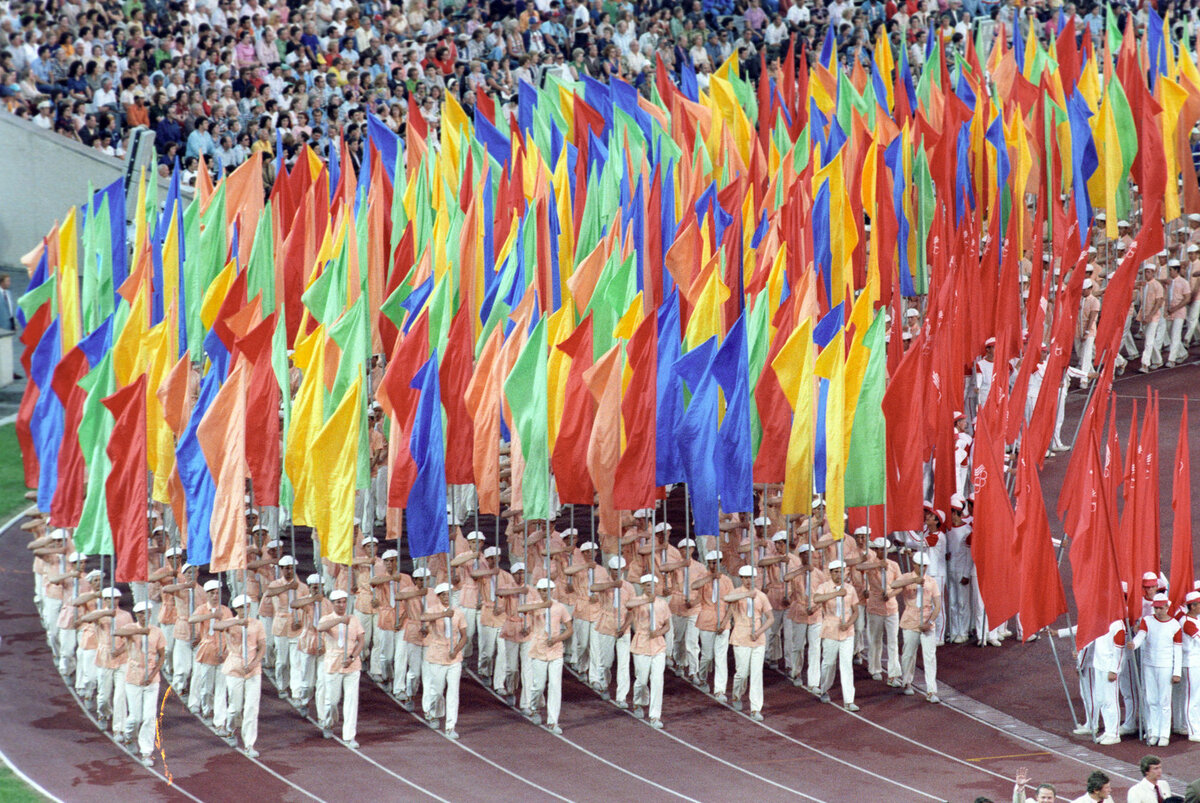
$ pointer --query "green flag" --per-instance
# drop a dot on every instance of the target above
(93, 536)
(354, 339)
(260, 271)
(525, 389)
(865, 478)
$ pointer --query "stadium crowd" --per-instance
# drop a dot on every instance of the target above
(229, 78)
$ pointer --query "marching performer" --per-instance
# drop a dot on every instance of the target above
(145, 649)
(343, 650)
(445, 630)
(245, 642)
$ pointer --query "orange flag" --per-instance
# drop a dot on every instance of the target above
(222, 437)
(604, 446)
(483, 400)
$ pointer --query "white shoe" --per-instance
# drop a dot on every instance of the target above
(1082, 730)
(1164, 741)
(1111, 739)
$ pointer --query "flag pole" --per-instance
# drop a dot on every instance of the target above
(1061, 676)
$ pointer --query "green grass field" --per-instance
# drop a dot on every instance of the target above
(14, 790)
(12, 477)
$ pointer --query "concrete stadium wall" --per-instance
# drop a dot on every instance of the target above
(41, 175)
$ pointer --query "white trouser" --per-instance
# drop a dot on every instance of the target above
(836, 656)
(204, 688)
(85, 673)
(1153, 343)
(806, 636)
(1127, 342)
(545, 677)
(342, 688)
(605, 651)
(1193, 700)
(269, 652)
(774, 651)
(181, 665)
(383, 654)
(748, 666)
(1126, 684)
(1104, 702)
(244, 695)
(958, 597)
(879, 628)
(860, 630)
(714, 652)
(1193, 319)
(439, 684)
(407, 669)
(1087, 689)
(686, 646)
(308, 677)
(526, 700)
(648, 682)
(488, 637)
(168, 632)
(141, 718)
(472, 617)
(110, 696)
(67, 639)
(508, 662)
(908, 660)
(283, 664)
(581, 638)
(367, 620)
(1087, 353)
(1178, 352)
(52, 608)
(1157, 683)
(1179, 704)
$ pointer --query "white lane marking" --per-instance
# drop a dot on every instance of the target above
(29, 781)
(487, 687)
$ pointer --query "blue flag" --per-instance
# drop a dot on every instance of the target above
(735, 466)
(668, 463)
(696, 434)
(199, 488)
(49, 418)
(426, 522)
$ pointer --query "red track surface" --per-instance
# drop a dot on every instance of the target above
(896, 748)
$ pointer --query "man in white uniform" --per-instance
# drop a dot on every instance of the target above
(1162, 665)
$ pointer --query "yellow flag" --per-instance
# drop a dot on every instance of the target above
(856, 363)
(1111, 166)
(160, 453)
(215, 294)
(831, 365)
(708, 316)
(128, 344)
(68, 283)
(1173, 97)
(558, 365)
(333, 458)
(308, 415)
(793, 366)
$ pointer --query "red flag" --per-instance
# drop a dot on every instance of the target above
(770, 463)
(262, 413)
(633, 485)
(454, 376)
(1095, 581)
(399, 401)
(126, 488)
(1119, 293)
(1181, 507)
(569, 460)
(1070, 498)
(67, 506)
(1042, 597)
(992, 540)
(1045, 411)
(903, 408)
(416, 121)
(222, 438)
(29, 338)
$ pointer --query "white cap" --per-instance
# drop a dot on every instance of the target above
(912, 313)
(862, 531)
(761, 521)
(1122, 222)
(687, 542)
(274, 543)
(1193, 248)
(780, 536)
(544, 584)
(357, 521)
(420, 572)
(239, 601)
(258, 528)
(646, 578)
(388, 554)
(1172, 263)
(212, 585)
(570, 531)
(172, 552)
(287, 560)
(642, 513)
(1101, 216)
(817, 502)
(1160, 600)
(802, 548)
(662, 527)
(516, 567)
(58, 534)
(958, 502)
(370, 539)
(1194, 218)
(616, 562)
(1192, 598)
(442, 588)
(837, 564)
(746, 571)
(878, 543)
(75, 557)
(713, 555)
(337, 594)
(112, 592)
(475, 535)
(920, 559)
(94, 573)
(313, 579)
(141, 606)
(492, 552)
(586, 546)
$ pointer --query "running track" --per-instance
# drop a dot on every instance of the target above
(898, 747)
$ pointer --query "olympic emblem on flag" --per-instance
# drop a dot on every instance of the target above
(980, 477)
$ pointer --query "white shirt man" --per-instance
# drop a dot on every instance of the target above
(145, 650)
(922, 603)
(837, 633)
(441, 668)
(648, 648)
(959, 565)
(1162, 661)
(750, 611)
(1152, 788)
(343, 667)
(711, 626)
(1107, 655)
(245, 643)
(610, 636)
(1190, 624)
